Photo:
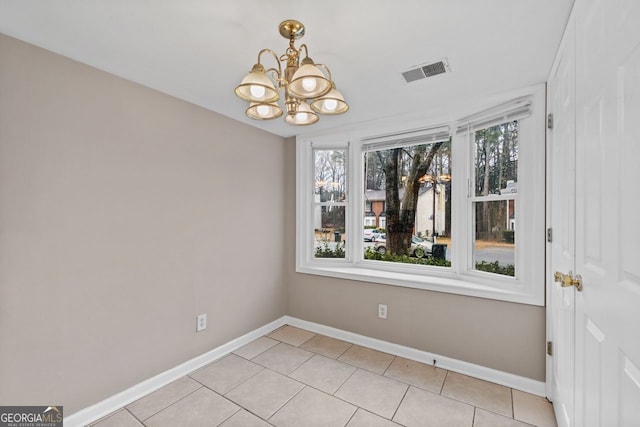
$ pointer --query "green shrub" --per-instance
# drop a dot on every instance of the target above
(495, 267)
(325, 251)
(372, 254)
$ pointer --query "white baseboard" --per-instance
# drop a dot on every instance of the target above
(499, 377)
(115, 402)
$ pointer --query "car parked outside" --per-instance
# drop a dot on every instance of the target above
(419, 247)
(371, 234)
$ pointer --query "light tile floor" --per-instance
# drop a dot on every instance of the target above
(293, 377)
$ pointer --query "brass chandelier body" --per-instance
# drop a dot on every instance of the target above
(307, 90)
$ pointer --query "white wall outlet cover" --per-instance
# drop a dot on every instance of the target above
(201, 323)
(382, 311)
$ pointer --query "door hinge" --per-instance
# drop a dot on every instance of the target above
(549, 238)
(550, 121)
(549, 348)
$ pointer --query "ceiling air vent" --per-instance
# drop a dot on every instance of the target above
(427, 70)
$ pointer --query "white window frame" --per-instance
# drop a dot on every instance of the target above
(461, 278)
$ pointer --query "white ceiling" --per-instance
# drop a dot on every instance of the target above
(199, 50)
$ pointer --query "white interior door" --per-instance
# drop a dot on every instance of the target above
(607, 362)
(561, 215)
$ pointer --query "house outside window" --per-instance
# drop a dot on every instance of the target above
(375, 204)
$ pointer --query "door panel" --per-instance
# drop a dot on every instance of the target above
(592, 207)
(607, 204)
(561, 250)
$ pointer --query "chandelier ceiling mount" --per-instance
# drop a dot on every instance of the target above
(291, 29)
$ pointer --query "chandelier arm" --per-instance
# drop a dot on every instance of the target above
(306, 49)
(275, 56)
(326, 69)
(276, 77)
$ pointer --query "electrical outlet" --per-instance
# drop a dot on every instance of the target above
(201, 323)
(382, 311)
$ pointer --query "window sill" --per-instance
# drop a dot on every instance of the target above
(478, 287)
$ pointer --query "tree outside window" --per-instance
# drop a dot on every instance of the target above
(416, 183)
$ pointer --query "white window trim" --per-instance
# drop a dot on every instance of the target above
(460, 278)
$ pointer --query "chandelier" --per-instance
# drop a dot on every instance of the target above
(307, 90)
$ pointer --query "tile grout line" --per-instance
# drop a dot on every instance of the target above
(287, 402)
(329, 357)
(264, 336)
(513, 408)
(352, 416)
(400, 403)
(444, 380)
(342, 385)
(134, 416)
(388, 366)
(302, 343)
(235, 386)
(167, 407)
(240, 408)
(345, 350)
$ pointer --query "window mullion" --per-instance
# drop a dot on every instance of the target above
(459, 227)
(356, 219)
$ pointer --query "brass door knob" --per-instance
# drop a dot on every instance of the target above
(566, 280)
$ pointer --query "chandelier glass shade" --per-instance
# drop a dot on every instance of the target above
(264, 110)
(330, 103)
(307, 90)
(302, 116)
(257, 87)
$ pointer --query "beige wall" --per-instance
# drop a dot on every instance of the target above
(505, 336)
(124, 213)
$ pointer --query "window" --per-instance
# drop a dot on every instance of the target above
(413, 181)
(329, 203)
(370, 220)
(493, 204)
(447, 201)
